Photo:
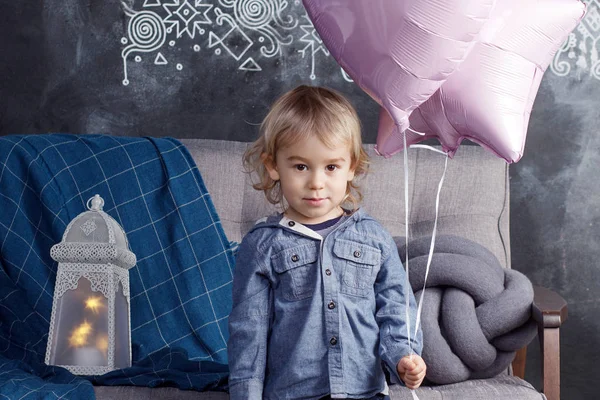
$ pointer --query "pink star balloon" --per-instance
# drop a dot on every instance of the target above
(399, 51)
(488, 100)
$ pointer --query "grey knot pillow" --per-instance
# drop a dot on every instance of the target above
(476, 314)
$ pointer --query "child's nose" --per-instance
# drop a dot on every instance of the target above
(316, 180)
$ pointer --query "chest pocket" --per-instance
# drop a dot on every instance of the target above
(360, 266)
(297, 269)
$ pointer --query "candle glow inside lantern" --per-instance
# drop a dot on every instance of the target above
(90, 324)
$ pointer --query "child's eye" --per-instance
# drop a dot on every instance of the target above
(332, 167)
(300, 167)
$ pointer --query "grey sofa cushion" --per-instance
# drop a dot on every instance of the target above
(475, 315)
(144, 393)
(474, 199)
(499, 388)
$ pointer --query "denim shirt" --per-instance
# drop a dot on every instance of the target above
(313, 317)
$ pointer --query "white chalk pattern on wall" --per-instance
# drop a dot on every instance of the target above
(185, 18)
(314, 44)
(147, 33)
(247, 31)
(251, 31)
(579, 53)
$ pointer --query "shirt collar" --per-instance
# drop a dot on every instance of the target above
(298, 227)
(284, 222)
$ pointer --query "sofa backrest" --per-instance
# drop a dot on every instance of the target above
(474, 201)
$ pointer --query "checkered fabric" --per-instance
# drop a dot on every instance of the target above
(180, 287)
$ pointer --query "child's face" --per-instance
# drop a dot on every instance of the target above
(313, 179)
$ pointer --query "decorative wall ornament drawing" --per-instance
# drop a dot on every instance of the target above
(246, 30)
(579, 53)
(314, 44)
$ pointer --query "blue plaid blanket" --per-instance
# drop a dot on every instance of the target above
(180, 287)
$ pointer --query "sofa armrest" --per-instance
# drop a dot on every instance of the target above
(549, 308)
(549, 311)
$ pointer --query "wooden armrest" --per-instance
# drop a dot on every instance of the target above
(550, 311)
(549, 308)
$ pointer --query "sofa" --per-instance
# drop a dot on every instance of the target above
(474, 204)
(153, 188)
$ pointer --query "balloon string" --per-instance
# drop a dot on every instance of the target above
(424, 146)
(407, 283)
(417, 132)
(431, 247)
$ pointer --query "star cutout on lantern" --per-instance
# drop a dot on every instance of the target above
(88, 227)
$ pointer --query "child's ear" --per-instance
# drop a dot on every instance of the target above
(351, 173)
(270, 165)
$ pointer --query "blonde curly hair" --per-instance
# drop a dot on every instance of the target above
(307, 112)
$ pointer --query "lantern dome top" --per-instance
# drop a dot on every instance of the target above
(95, 226)
(94, 236)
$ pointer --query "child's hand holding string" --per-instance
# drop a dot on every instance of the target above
(412, 370)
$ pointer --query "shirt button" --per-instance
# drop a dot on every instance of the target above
(331, 305)
(328, 272)
(356, 253)
(333, 341)
(295, 258)
(291, 223)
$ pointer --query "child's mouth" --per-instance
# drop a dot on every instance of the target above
(315, 201)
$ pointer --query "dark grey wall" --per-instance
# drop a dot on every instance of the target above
(555, 218)
(214, 74)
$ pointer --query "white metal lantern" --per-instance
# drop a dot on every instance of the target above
(90, 325)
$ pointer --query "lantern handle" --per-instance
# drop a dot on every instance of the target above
(95, 203)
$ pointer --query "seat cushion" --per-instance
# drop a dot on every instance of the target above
(502, 387)
(161, 393)
(474, 200)
(499, 388)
